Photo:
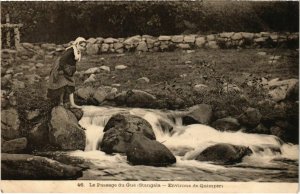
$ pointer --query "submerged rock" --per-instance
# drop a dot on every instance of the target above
(119, 130)
(28, 167)
(226, 124)
(223, 153)
(144, 151)
(135, 98)
(64, 130)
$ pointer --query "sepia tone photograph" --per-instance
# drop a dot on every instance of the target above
(149, 95)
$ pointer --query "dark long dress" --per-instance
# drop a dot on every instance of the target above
(61, 79)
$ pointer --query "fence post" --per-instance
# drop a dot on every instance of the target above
(17, 37)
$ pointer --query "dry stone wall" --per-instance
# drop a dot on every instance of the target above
(147, 43)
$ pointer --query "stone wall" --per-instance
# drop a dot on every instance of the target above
(146, 43)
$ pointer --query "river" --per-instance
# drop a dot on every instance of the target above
(272, 160)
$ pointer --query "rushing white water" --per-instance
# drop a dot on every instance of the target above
(188, 140)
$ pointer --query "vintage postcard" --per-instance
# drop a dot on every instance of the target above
(150, 96)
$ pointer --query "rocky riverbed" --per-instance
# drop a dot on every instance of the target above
(237, 94)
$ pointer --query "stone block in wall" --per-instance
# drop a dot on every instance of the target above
(212, 45)
(229, 44)
(104, 47)
(282, 37)
(156, 44)
(155, 49)
(248, 35)
(293, 36)
(274, 37)
(48, 46)
(92, 49)
(177, 38)
(142, 46)
(241, 43)
(237, 36)
(66, 45)
(200, 42)
(226, 34)
(27, 45)
(118, 45)
(164, 38)
(183, 46)
(150, 45)
(120, 51)
(189, 38)
(100, 40)
(134, 40)
(91, 40)
(210, 37)
(147, 37)
(257, 35)
(265, 34)
(121, 40)
(110, 40)
(164, 47)
(151, 40)
(260, 40)
(59, 48)
(128, 47)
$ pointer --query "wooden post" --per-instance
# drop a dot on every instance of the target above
(8, 31)
(17, 37)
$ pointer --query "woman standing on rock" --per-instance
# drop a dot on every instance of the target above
(61, 80)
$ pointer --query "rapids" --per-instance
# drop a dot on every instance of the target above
(272, 159)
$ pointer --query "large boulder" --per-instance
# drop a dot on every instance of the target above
(103, 93)
(38, 136)
(223, 153)
(64, 130)
(226, 124)
(144, 151)
(77, 112)
(260, 129)
(33, 114)
(280, 90)
(119, 130)
(28, 167)
(10, 124)
(201, 113)
(135, 98)
(85, 94)
(139, 98)
(14, 146)
(250, 118)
